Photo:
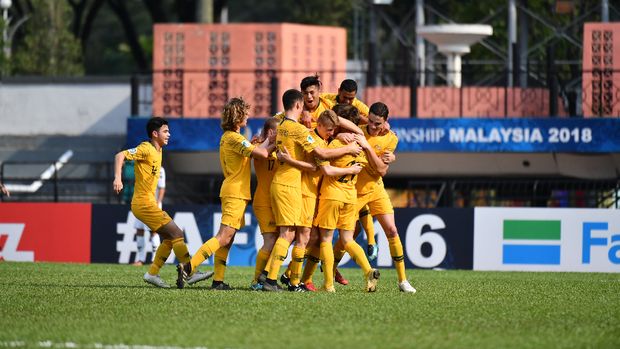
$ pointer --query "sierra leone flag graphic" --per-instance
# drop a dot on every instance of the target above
(532, 242)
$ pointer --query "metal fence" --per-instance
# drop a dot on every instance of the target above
(92, 182)
(486, 91)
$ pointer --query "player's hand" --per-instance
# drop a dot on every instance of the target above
(346, 137)
(256, 139)
(356, 168)
(372, 251)
(354, 149)
(362, 141)
(388, 157)
(306, 119)
(386, 129)
(283, 154)
(118, 185)
(4, 190)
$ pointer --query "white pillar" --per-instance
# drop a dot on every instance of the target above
(419, 41)
(512, 37)
(454, 69)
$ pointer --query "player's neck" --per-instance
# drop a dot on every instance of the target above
(291, 115)
(156, 145)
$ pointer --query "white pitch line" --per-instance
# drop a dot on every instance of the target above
(47, 174)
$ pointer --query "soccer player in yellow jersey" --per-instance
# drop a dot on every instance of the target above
(235, 153)
(314, 104)
(265, 169)
(328, 122)
(346, 95)
(286, 196)
(337, 211)
(370, 189)
(147, 157)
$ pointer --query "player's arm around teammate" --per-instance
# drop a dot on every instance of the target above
(235, 154)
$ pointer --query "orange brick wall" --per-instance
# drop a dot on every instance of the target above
(601, 70)
(198, 67)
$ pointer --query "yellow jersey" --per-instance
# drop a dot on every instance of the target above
(235, 153)
(342, 188)
(361, 107)
(265, 169)
(146, 169)
(310, 180)
(324, 104)
(298, 141)
(369, 179)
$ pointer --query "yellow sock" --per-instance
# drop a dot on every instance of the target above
(327, 258)
(162, 253)
(312, 260)
(180, 250)
(297, 264)
(268, 265)
(219, 263)
(358, 255)
(205, 251)
(396, 251)
(280, 249)
(261, 260)
(288, 271)
(369, 227)
(339, 252)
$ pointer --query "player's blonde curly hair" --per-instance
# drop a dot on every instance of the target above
(234, 112)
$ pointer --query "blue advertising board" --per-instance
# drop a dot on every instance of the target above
(432, 238)
(575, 135)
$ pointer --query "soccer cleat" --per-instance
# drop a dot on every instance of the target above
(371, 280)
(340, 279)
(298, 288)
(405, 286)
(268, 287)
(373, 252)
(155, 280)
(138, 263)
(285, 280)
(310, 287)
(256, 286)
(220, 286)
(262, 278)
(199, 276)
(183, 271)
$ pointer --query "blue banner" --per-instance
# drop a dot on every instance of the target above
(431, 238)
(600, 135)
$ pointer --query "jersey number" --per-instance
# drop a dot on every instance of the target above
(270, 164)
(347, 178)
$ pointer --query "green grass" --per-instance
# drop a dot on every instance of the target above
(109, 304)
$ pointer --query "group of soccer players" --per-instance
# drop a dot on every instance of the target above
(318, 171)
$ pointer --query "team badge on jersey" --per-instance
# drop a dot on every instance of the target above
(245, 143)
(310, 139)
(132, 151)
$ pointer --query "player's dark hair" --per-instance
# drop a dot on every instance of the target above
(154, 124)
(290, 97)
(310, 81)
(380, 109)
(348, 85)
(347, 111)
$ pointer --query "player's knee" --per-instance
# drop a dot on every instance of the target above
(391, 232)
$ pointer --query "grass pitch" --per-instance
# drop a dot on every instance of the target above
(108, 306)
